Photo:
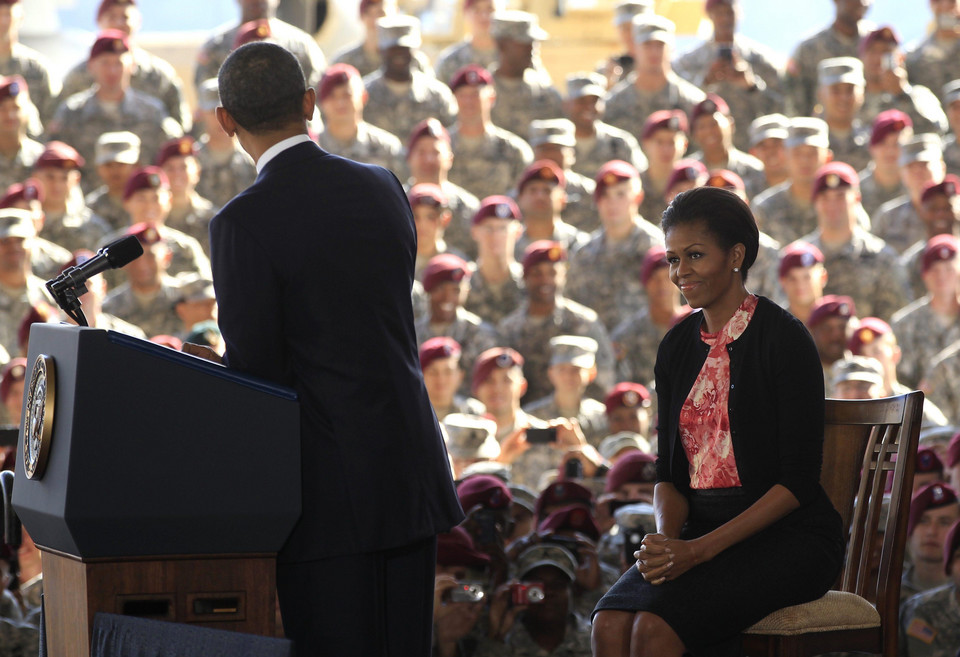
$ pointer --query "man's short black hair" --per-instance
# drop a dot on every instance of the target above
(262, 86)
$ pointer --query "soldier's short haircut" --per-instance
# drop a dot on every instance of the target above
(724, 214)
(262, 86)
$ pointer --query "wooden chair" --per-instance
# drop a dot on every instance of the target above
(864, 441)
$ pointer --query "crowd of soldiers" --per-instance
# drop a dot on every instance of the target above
(542, 290)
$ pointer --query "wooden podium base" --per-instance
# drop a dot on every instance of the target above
(227, 592)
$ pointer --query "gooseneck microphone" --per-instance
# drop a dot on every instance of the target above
(71, 284)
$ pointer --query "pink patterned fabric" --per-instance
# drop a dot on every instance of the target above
(704, 425)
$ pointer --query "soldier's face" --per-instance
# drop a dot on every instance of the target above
(515, 55)
(664, 147)
(723, 15)
(886, 152)
(569, 379)
(479, 15)
(628, 419)
(56, 184)
(652, 55)
(114, 174)
(804, 285)
(496, 236)
(803, 161)
(10, 18)
(541, 198)
(429, 223)
(445, 298)
(544, 280)
(830, 336)
(147, 270)
(148, 205)
(584, 111)
(183, 173)
(930, 533)
(661, 292)
(852, 11)
(562, 156)
(344, 103)
(942, 279)
(428, 158)
(917, 174)
(468, 101)
(636, 492)
(940, 214)
(11, 115)
(442, 378)
(836, 208)
(111, 71)
(619, 203)
(873, 59)
(14, 252)
(773, 154)
(125, 18)
(397, 62)
(841, 101)
(856, 390)
(502, 390)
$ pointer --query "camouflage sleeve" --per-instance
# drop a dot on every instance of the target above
(606, 358)
(940, 388)
(891, 289)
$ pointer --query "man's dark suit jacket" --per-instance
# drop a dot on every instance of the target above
(313, 266)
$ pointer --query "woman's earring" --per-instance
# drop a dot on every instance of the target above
(736, 269)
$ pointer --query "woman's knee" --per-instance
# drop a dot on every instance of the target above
(611, 632)
(650, 629)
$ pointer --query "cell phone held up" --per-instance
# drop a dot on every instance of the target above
(527, 593)
(536, 436)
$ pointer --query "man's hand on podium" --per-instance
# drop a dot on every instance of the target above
(202, 351)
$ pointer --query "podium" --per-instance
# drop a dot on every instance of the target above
(156, 484)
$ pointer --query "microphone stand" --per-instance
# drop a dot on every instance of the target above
(66, 292)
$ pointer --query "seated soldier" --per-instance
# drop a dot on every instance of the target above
(486, 502)
(856, 377)
(880, 182)
(768, 135)
(940, 215)
(496, 278)
(573, 366)
(477, 48)
(687, 174)
(712, 128)
(629, 409)
(541, 197)
(828, 323)
(446, 280)
(933, 510)
(840, 92)
(664, 141)
(116, 157)
(554, 140)
(20, 288)
(802, 278)
(190, 213)
(431, 216)
(443, 377)
(930, 621)
(47, 257)
(365, 56)
(195, 303)
(147, 298)
(460, 589)
(630, 481)
(18, 152)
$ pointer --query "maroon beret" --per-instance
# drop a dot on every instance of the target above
(471, 75)
(634, 467)
(655, 259)
(889, 122)
(869, 329)
(939, 248)
(145, 178)
(571, 518)
(456, 548)
(437, 348)
(543, 251)
(334, 76)
(613, 173)
(496, 358)
(950, 546)
(444, 268)
(626, 395)
(799, 254)
(835, 175)
(497, 207)
(146, 232)
(14, 371)
(931, 496)
(107, 4)
(251, 31)
(831, 305)
(563, 493)
(709, 106)
(180, 147)
(427, 128)
(687, 171)
(541, 170)
(427, 194)
(725, 179)
(949, 187)
(109, 41)
(674, 120)
(58, 155)
(25, 192)
(486, 490)
(885, 33)
(12, 86)
(928, 461)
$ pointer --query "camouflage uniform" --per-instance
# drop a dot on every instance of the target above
(592, 416)
(918, 102)
(531, 337)
(607, 277)
(14, 306)
(303, 46)
(461, 404)
(765, 272)
(372, 145)
(461, 54)
(75, 229)
(19, 167)
(474, 335)
(780, 216)
(34, 69)
(47, 258)
(897, 223)
(81, 119)
(108, 208)
(608, 143)
(522, 101)
(951, 154)
(194, 220)
(628, 110)
(921, 335)
(636, 341)
(187, 256)
(358, 57)
(852, 148)
(223, 176)
(155, 316)
(528, 468)
(463, 205)
(488, 165)
(911, 261)
(749, 168)
(873, 194)
(580, 210)
(19, 639)
(569, 236)
(801, 77)
(491, 303)
(864, 268)
(151, 75)
(930, 623)
(653, 203)
(934, 63)
(424, 97)
(519, 643)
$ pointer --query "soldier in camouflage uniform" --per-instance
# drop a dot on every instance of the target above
(487, 160)
(478, 48)
(951, 149)
(443, 377)
(596, 142)
(605, 273)
(802, 279)
(190, 213)
(743, 72)
(941, 381)
(768, 135)
(931, 323)
(840, 93)
(47, 258)
(365, 55)
(897, 222)
(67, 221)
(887, 86)
(303, 46)
(83, 117)
(554, 140)
(431, 215)
(400, 96)
(116, 158)
(496, 280)
(713, 128)
(935, 60)
(940, 215)
(446, 280)
(225, 168)
(523, 93)
(653, 85)
(195, 304)
(147, 298)
(541, 198)
(18, 153)
(151, 74)
(859, 264)
(573, 363)
(20, 289)
(880, 182)
(18, 59)
(547, 313)
(664, 141)
(839, 39)
(497, 382)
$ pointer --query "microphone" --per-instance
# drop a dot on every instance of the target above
(68, 286)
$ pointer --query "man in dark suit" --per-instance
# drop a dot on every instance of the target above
(313, 266)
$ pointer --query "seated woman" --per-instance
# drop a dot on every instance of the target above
(743, 525)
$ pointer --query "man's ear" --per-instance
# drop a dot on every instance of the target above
(227, 124)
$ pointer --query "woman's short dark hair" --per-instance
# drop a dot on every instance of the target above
(262, 86)
(724, 214)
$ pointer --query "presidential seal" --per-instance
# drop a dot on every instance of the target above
(37, 427)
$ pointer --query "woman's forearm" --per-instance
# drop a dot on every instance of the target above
(775, 504)
(671, 509)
